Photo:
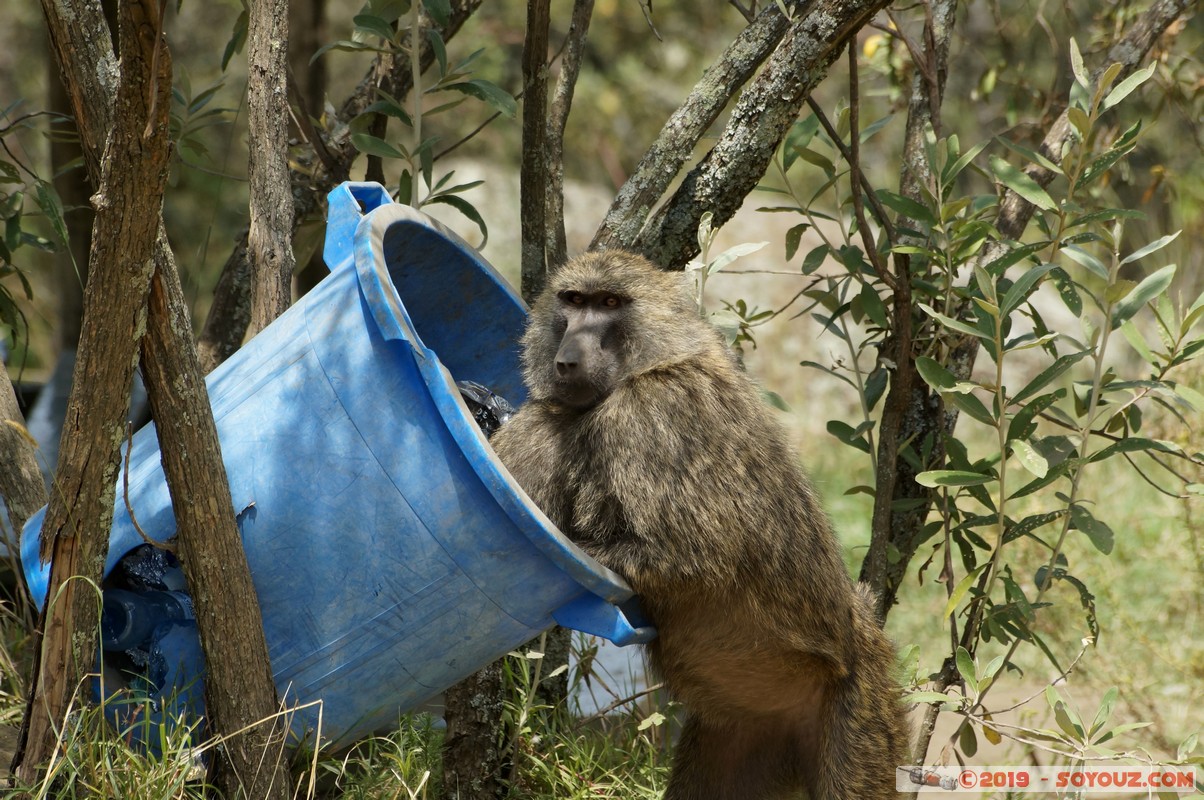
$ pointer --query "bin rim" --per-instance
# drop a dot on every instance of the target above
(394, 322)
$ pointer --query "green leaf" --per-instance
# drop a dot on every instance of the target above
(906, 207)
(1023, 425)
(1152, 286)
(793, 237)
(1105, 710)
(1031, 155)
(731, 254)
(439, 48)
(52, 207)
(1130, 83)
(373, 26)
(1101, 536)
(934, 374)
(965, 667)
(1133, 444)
(847, 434)
(1137, 342)
(952, 477)
(492, 94)
(951, 323)
(1076, 64)
(815, 258)
(1022, 288)
(1033, 461)
(972, 407)
(374, 146)
(962, 587)
(1048, 374)
(1020, 183)
(1152, 247)
(467, 209)
(1082, 257)
(916, 698)
(440, 10)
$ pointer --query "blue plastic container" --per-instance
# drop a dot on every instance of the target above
(392, 553)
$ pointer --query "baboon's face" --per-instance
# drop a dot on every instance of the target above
(589, 357)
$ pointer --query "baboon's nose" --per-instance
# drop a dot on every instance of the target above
(565, 368)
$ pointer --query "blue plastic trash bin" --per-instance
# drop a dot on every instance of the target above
(392, 553)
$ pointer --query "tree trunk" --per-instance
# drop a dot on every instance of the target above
(472, 746)
(230, 312)
(21, 483)
(239, 689)
(75, 534)
(270, 238)
(758, 122)
(227, 610)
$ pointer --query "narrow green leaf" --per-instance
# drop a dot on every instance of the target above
(1022, 288)
(962, 587)
(1076, 64)
(492, 94)
(916, 698)
(731, 254)
(934, 374)
(1082, 257)
(952, 477)
(1032, 461)
(1023, 425)
(1048, 374)
(1152, 247)
(972, 407)
(373, 26)
(467, 209)
(1105, 710)
(1020, 183)
(965, 667)
(1125, 87)
(951, 323)
(1152, 286)
(374, 146)
(440, 10)
(906, 207)
(1101, 536)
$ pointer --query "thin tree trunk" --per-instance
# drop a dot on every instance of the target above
(230, 313)
(239, 689)
(75, 533)
(533, 196)
(270, 238)
(21, 483)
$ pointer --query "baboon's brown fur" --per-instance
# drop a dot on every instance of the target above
(649, 446)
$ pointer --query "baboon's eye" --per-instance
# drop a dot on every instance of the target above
(611, 301)
(573, 298)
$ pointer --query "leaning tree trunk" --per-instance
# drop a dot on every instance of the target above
(75, 533)
(240, 691)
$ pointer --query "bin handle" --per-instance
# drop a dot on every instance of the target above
(346, 205)
(621, 623)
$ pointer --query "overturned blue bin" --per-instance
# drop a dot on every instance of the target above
(392, 553)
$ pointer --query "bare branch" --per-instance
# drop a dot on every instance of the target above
(759, 121)
(558, 116)
(677, 139)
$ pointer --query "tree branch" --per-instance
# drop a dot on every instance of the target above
(676, 141)
(759, 121)
(558, 116)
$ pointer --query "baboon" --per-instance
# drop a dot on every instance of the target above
(648, 445)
